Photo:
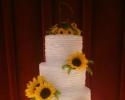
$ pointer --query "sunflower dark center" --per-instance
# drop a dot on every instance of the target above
(76, 62)
(61, 32)
(45, 93)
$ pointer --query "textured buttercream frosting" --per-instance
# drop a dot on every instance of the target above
(58, 47)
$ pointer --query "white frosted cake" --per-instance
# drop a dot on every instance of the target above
(57, 49)
(63, 74)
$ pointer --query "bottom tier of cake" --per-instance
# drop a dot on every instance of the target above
(72, 86)
(75, 94)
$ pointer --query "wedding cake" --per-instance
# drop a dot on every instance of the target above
(65, 66)
(57, 48)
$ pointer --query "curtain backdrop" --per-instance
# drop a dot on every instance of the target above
(22, 30)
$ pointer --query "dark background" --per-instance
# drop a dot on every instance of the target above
(22, 30)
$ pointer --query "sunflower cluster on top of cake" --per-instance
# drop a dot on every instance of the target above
(65, 66)
(65, 29)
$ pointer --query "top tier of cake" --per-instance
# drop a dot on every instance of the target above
(58, 47)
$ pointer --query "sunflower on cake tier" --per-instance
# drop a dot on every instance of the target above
(40, 89)
(77, 61)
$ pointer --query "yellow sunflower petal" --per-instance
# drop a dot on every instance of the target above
(54, 30)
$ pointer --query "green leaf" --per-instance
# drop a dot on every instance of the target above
(89, 70)
(65, 25)
(64, 66)
(91, 62)
(67, 68)
(57, 94)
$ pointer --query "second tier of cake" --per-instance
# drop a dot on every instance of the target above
(58, 47)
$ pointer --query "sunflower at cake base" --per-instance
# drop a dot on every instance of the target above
(40, 89)
(77, 61)
(31, 86)
(45, 92)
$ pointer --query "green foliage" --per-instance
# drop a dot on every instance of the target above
(67, 67)
(89, 70)
(65, 25)
(91, 62)
(57, 94)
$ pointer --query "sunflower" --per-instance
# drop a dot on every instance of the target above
(45, 92)
(69, 31)
(31, 86)
(61, 31)
(77, 61)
